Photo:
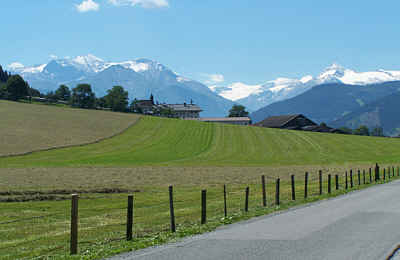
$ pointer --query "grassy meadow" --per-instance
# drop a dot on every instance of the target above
(144, 160)
(173, 142)
(26, 127)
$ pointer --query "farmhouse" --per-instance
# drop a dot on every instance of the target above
(227, 120)
(183, 110)
(296, 122)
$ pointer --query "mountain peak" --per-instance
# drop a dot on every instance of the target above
(332, 72)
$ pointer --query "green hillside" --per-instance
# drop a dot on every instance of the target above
(27, 127)
(171, 142)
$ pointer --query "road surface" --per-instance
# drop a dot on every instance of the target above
(360, 225)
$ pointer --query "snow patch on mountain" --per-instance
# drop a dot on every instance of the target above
(257, 96)
(239, 90)
(132, 65)
(20, 68)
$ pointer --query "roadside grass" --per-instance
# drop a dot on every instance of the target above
(24, 234)
(171, 142)
(30, 127)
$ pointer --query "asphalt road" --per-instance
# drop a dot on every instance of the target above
(360, 225)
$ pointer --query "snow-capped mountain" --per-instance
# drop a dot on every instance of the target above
(140, 77)
(257, 96)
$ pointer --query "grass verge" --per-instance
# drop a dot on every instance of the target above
(40, 230)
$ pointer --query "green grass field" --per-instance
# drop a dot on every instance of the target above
(171, 142)
(144, 160)
(26, 127)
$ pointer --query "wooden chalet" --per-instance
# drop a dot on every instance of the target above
(296, 122)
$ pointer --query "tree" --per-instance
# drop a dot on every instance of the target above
(377, 131)
(238, 111)
(362, 130)
(101, 102)
(83, 96)
(3, 91)
(51, 97)
(117, 99)
(346, 130)
(63, 93)
(323, 124)
(17, 88)
(4, 75)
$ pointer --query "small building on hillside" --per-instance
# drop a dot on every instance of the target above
(184, 110)
(144, 106)
(296, 122)
(227, 120)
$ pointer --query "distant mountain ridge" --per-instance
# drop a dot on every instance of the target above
(257, 96)
(330, 102)
(382, 113)
(140, 77)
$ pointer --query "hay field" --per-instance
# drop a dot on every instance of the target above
(172, 142)
(26, 127)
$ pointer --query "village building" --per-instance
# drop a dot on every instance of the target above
(144, 106)
(296, 122)
(184, 110)
(227, 120)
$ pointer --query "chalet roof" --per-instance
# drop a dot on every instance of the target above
(147, 103)
(277, 121)
(225, 119)
(184, 107)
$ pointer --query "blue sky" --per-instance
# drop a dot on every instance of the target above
(248, 41)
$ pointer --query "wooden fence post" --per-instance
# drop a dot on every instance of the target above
(393, 171)
(359, 177)
(203, 206)
(320, 182)
(329, 183)
(337, 181)
(277, 201)
(377, 177)
(74, 225)
(305, 185)
(264, 193)
(398, 171)
(351, 179)
(246, 203)
(293, 188)
(384, 174)
(370, 175)
(225, 208)
(347, 184)
(364, 176)
(389, 173)
(129, 219)
(171, 208)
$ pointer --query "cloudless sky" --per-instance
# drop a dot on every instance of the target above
(248, 41)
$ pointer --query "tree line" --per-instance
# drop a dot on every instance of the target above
(364, 130)
(15, 88)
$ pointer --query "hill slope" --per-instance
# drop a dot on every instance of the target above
(383, 113)
(171, 142)
(26, 127)
(328, 102)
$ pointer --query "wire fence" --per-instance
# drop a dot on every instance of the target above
(105, 220)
